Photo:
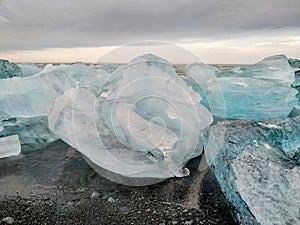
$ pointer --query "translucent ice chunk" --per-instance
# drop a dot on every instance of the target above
(75, 70)
(32, 96)
(274, 68)
(262, 91)
(144, 122)
(9, 69)
(25, 103)
(31, 131)
(9, 146)
(29, 69)
(257, 167)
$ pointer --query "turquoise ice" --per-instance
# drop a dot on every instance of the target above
(262, 91)
(257, 164)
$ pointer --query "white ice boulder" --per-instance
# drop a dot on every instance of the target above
(145, 123)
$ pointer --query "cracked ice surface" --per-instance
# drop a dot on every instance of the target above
(144, 123)
(257, 167)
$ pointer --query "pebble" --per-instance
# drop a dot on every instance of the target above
(95, 194)
(8, 220)
(124, 209)
(111, 199)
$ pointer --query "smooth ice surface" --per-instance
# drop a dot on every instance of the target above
(9, 69)
(144, 122)
(258, 168)
(262, 91)
(273, 68)
(32, 96)
(76, 70)
(93, 79)
(9, 146)
(74, 123)
(296, 85)
(29, 69)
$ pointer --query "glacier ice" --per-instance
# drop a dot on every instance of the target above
(33, 132)
(9, 69)
(273, 68)
(9, 146)
(144, 123)
(296, 85)
(295, 63)
(140, 123)
(257, 164)
(25, 103)
(262, 91)
(28, 69)
(76, 70)
(93, 79)
(32, 96)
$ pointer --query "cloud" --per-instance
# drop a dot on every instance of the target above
(74, 23)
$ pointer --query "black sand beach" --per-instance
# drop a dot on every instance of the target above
(56, 186)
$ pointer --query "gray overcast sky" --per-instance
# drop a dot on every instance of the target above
(45, 24)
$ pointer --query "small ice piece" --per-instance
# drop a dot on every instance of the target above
(9, 146)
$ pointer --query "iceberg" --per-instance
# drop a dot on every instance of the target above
(8, 70)
(9, 146)
(143, 125)
(257, 164)
(262, 91)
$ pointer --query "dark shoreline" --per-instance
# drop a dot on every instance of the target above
(56, 186)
